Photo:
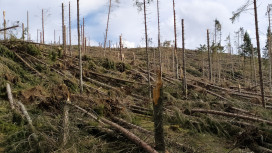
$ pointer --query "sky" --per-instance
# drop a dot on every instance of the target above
(126, 19)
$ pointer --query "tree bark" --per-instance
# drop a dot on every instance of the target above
(5, 25)
(209, 55)
(250, 118)
(146, 50)
(108, 20)
(65, 134)
(175, 33)
(79, 49)
(184, 61)
(70, 33)
(158, 114)
(259, 52)
(159, 35)
(42, 28)
(11, 102)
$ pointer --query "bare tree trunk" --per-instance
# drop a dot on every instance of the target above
(254, 66)
(159, 36)
(175, 33)
(11, 102)
(121, 48)
(54, 37)
(269, 47)
(42, 28)
(209, 55)
(70, 35)
(63, 31)
(184, 60)
(158, 114)
(23, 31)
(65, 134)
(83, 36)
(106, 36)
(28, 36)
(80, 58)
(259, 52)
(146, 49)
(5, 25)
(202, 57)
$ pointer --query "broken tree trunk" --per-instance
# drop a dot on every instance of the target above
(5, 25)
(11, 102)
(79, 49)
(175, 33)
(146, 50)
(28, 65)
(29, 121)
(250, 118)
(122, 130)
(16, 26)
(184, 61)
(209, 56)
(158, 113)
(65, 134)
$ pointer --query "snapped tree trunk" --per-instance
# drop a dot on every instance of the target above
(184, 61)
(209, 56)
(159, 36)
(146, 50)
(175, 33)
(79, 49)
(158, 114)
(108, 20)
(259, 52)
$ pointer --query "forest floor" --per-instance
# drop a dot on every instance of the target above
(215, 117)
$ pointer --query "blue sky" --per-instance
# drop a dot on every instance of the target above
(126, 20)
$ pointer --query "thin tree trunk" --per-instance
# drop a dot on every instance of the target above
(70, 33)
(80, 58)
(5, 25)
(121, 48)
(175, 33)
(146, 50)
(159, 36)
(254, 66)
(23, 31)
(184, 60)
(42, 28)
(259, 52)
(28, 36)
(83, 36)
(209, 55)
(11, 102)
(65, 134)
(108, 20)
(269, 47)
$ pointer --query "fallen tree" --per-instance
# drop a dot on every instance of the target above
(250, 118)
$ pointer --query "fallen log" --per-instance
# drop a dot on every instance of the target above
(28, 65)
(11, 102)
(255, 119)
(29, 121)
(12, 27)
(122, 130)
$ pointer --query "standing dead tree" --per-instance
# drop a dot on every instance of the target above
(106, 35)
(23, 32)
(269, 45)
(70, 36)
(209, 55)
(63, 31)
(175, 33)
(79, 49)
(233, 18)
(184, 61)
(5, 25)
(159, 36)
(139, 4)
(28, 36)
(42, 27)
